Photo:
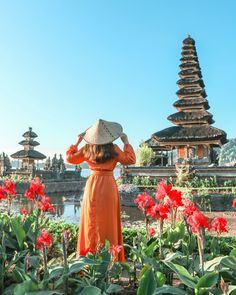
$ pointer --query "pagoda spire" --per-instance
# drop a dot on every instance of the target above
(192, 104)
(28, 155)
(193, 137)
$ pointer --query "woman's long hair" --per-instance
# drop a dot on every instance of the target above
(99, 153)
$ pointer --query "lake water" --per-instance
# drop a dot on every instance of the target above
(67, 206)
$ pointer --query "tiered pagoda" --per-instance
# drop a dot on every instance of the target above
(193, 137)
(28, 155)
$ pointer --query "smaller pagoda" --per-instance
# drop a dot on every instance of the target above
(28, 155)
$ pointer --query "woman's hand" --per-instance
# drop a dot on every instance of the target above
(80, 138)
(124, 138)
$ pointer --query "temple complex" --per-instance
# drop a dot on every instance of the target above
(56, 176)
(193, 137)
(28, 155)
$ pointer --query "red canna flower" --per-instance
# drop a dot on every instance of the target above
(150, 231)
(3, 196)
(219, 224)
(144, 201)
(163, 190)
(114, 250)
(35, 189)
(158, 211)
(29, 194)
(234, 202)
(189, 208)
(44, 239)
(45, 205)
(198, 221)
(84, 252)
(24, 211)
(174, 199)
(9, 187)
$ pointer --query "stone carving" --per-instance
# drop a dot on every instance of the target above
(184, 172)
(47, 164)
(61, 164)
(54, 164)
(5, 163)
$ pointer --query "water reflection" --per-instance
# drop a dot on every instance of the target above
(67, 206)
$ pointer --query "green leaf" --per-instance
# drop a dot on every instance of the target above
(9, 290)
(229, 261)
(56, 272)
(214, 247)
(18, 231)
(113, 288)
(86, 260)
(147, 283)
(231, 288)
(212, 264)
(176, 234)
(26, 286)
(126, 267)
(192, 245)
(172, 256)
(169, 290)
(149, 251)
(44, 293)
(233, 252)
(18, 275)
(208, 280)
(90, 291)
(183, 274)
(76, 267)
(160, 278)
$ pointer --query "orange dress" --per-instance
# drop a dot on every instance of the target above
(100, 212)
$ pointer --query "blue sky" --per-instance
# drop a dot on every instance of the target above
(64, 64)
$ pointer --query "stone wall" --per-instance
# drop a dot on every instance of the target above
(55, 187)
(159, 173)
(215, 203)
(46, 175)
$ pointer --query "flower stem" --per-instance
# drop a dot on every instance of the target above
(45, 262)
(201, 254)
(66, 268)
(160, 237)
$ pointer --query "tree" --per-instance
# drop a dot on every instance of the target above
(145, 155)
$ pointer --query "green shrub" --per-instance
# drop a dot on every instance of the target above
(145, 155)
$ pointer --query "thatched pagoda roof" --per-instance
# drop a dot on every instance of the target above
(191, 116)
(189, 41)
(191, 64)
(30, 154)
(190, 72)
(30, 133)
(153, 143)
(179, 133)
(191, 91)
(189, 58)
(191, 102)
(191, 81)
(29, 142)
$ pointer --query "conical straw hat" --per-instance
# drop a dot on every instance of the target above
(103, 132)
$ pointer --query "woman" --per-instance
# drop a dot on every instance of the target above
(100, 213)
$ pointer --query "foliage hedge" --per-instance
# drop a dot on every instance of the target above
(226, 243)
